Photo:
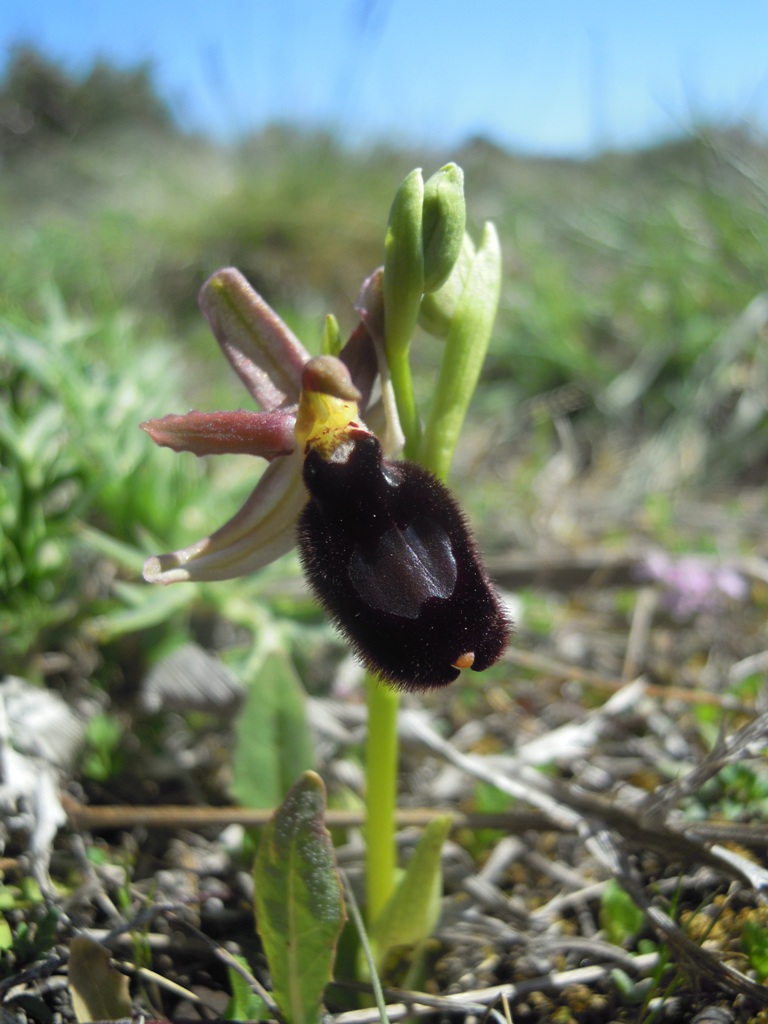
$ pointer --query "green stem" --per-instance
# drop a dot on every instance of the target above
(381, 794)
(407, 411)
(466, 343)
(381, 770)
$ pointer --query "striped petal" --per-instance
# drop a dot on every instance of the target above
(263, 351)
(263, 530)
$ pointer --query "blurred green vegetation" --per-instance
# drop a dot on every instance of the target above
(622, 324)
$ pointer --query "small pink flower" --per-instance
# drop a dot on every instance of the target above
(693, 584)
(269, 360)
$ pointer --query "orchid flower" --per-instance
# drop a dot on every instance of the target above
(330, 478)
(269, 360)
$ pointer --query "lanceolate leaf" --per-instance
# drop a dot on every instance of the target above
(412, 912)
(299, 906)
(245, 1004)
(273, 743)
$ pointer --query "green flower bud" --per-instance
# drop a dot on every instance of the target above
(465, 347)
(443, 220)
(438, 308)
(330, 343)
(403, 264)
(403, 289)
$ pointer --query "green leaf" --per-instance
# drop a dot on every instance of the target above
(273, 744)
(299, 907)
(620, 916)
(103, 735)
(125, 555)
(754, 942)
(245, 1004)
(631, 991)
(6, 935)
(147, 606)
(410, 916)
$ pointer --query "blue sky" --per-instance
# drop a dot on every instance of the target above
(559, 77)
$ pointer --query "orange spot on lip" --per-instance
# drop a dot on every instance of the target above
(465, 660)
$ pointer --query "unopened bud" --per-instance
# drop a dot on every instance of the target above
(438, 308)
(443, 220)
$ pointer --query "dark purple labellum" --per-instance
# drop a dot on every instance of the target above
(389, 554)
